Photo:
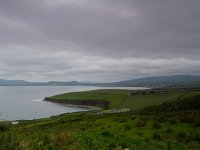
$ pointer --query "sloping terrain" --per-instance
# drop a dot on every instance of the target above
(158, 127)
(120, 98)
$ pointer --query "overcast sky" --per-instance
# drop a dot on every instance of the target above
(98, 40)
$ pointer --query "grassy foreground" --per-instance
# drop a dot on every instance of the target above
(173, 125)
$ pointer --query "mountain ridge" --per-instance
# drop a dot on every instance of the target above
(173, 80)
(153, 81)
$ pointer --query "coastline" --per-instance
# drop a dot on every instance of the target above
(73, 105)
(90, 108)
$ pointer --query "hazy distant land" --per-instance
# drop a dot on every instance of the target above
(157, 81)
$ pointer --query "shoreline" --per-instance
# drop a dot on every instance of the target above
(74, 105)
(89, 108)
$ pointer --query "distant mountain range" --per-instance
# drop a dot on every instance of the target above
(157, 81)
(27, 83)
(162, 81)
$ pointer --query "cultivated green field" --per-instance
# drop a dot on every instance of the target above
(123, 98)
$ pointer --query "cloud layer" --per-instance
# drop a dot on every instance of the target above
(98, 40)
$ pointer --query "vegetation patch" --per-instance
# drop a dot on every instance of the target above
(148, 128)
(118, 98)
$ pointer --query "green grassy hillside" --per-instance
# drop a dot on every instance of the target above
(121, 98)
(150, 128)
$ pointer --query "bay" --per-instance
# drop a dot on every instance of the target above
(26, 102)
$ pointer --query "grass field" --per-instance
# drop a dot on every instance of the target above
(122, 98)
(151, 128)
(89, 131)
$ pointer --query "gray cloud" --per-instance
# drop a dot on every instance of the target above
(98, 40)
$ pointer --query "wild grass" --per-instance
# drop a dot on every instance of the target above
(147, 129)
(120, 98)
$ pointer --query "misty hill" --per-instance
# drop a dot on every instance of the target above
(27, 83)
(162, 81)
(17, 83)
(60, 83)
(157, 81)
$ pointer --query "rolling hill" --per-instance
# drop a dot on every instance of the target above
(156, 81)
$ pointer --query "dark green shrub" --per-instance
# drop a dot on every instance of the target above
(144, 118)
(161, 119)
(169, 145)
(156, 125)
(197, 124)
(133, 117)
(180, 136)
(192, 136)
(169, 130)
(121, 119)
(106, 134)
(173, 121)
(8, 141)
(141, 123)
(191, 118)
(139, 133)
(127, 127)
(157, 135)
(112, 146)
(3, 128)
